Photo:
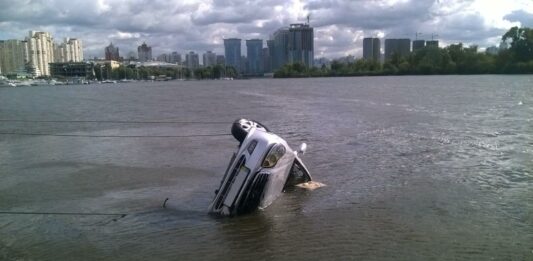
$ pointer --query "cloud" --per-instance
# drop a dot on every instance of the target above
(200, 25)
(525, 18)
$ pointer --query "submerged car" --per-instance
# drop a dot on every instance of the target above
(263, 166)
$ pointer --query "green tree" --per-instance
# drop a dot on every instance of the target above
(521, 43)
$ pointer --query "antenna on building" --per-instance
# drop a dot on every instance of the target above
(434, 35)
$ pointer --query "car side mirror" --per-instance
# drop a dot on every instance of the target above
(302, 149)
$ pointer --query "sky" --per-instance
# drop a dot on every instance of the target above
(201, 25)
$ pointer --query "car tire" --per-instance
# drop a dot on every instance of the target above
(241, 127)
(239, 131)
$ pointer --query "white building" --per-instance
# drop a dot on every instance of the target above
(40, 51)
(75, 49)
(70, 50)
(36, 52)
(13, 56)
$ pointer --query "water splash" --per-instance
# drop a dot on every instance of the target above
(311, 185)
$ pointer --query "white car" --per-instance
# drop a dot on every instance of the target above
(258, 172)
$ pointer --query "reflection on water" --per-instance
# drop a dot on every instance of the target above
(416, 168)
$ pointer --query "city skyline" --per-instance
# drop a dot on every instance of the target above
(184, 26)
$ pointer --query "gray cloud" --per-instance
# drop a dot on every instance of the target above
(525, 18)
(194, 25)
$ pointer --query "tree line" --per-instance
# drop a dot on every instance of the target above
(104, 72)
(431, 60)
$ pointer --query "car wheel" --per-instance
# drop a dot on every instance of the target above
(241, 127)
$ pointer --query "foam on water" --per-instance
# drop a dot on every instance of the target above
(311, 185)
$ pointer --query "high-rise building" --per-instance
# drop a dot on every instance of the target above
(434, 43)
(418, 44)
(112, 53)
(301, 44)
(279, 45)
(163, 58)
(401, 47)
(192, 60)
(145, 52)
(40, 51)
(272, 54)
(267, 62)
(221, 60)
(209, 58)
(232, 53)
(244, 64)
(75, 48)
(175, 57)
(254, 53)
(71, 50)
(13, 56)
(371, 49)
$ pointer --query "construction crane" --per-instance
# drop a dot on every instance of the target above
(433, 36)
(308, 18)
(417, 34)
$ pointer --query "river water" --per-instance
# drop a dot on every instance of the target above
(416, 168)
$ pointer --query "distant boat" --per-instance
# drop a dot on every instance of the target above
(7, 83)
(4, 82)
(23, 83)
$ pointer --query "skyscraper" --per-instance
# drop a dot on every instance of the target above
(145, 52)
(221, 60)
(112, 52)
(40, 51)
(271, 54)
(70, 50)
(418, 44)
(75, 49)
(254, 53)
(13, 56)
(244, 64)
(192, 60)
(209, 58)
(232, 52)
(175, 57)
(163, 57)
(267, 62)
(301, 44)
(401, 47)
(279, 46)
(371, 49)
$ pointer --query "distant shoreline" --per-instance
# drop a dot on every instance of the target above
(378, 75)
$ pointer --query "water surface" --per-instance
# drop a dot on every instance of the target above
(417, 168)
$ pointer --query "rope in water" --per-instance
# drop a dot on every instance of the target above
(61, 213)
(122, 215)
(113, 136)
(115, 121)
